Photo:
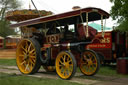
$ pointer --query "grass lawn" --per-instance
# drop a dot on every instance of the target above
(9, 79)
(8, 62)
(110, 71)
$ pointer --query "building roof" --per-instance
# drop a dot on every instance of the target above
(1, 37)
(13, 36)
(98, 27)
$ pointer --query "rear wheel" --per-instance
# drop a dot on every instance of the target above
(89, 63)
(65, 65)
(28, 56)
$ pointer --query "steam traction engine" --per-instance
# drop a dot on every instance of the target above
(49, 42)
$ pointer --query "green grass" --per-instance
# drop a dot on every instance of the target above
(110, 71)
(9, 79)
(107, 70)
(9, 62)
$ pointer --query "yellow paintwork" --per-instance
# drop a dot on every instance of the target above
(26, 56)
(64, 65)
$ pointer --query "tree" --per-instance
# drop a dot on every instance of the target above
(7, 5)
(119, 12)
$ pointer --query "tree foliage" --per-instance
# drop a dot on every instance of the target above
(119, 12)
(5, 29)
(7, 5)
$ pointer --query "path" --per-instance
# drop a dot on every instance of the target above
(79, 78)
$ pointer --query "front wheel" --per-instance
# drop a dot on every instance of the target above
(89, 63)
(65, 65)
(28, 56)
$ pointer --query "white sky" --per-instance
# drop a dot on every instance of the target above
(59, 6)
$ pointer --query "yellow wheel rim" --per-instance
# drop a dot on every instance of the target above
(64, 65)
(88, 63)
(26, 56)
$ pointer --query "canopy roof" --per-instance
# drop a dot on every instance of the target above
(70, 17)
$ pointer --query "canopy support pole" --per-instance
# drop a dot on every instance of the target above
(83, 24)
(102, 26)
(87, 24)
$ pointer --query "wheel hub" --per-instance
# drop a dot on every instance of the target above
(66, 65)
(26, 56)
(90, 62)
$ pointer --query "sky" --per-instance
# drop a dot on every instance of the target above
(60, 6)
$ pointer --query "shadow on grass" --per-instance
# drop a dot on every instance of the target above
(97, 77)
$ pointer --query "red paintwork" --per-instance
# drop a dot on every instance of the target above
(99, 42)
(82, 31)
(122, 66)
(109, 46)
